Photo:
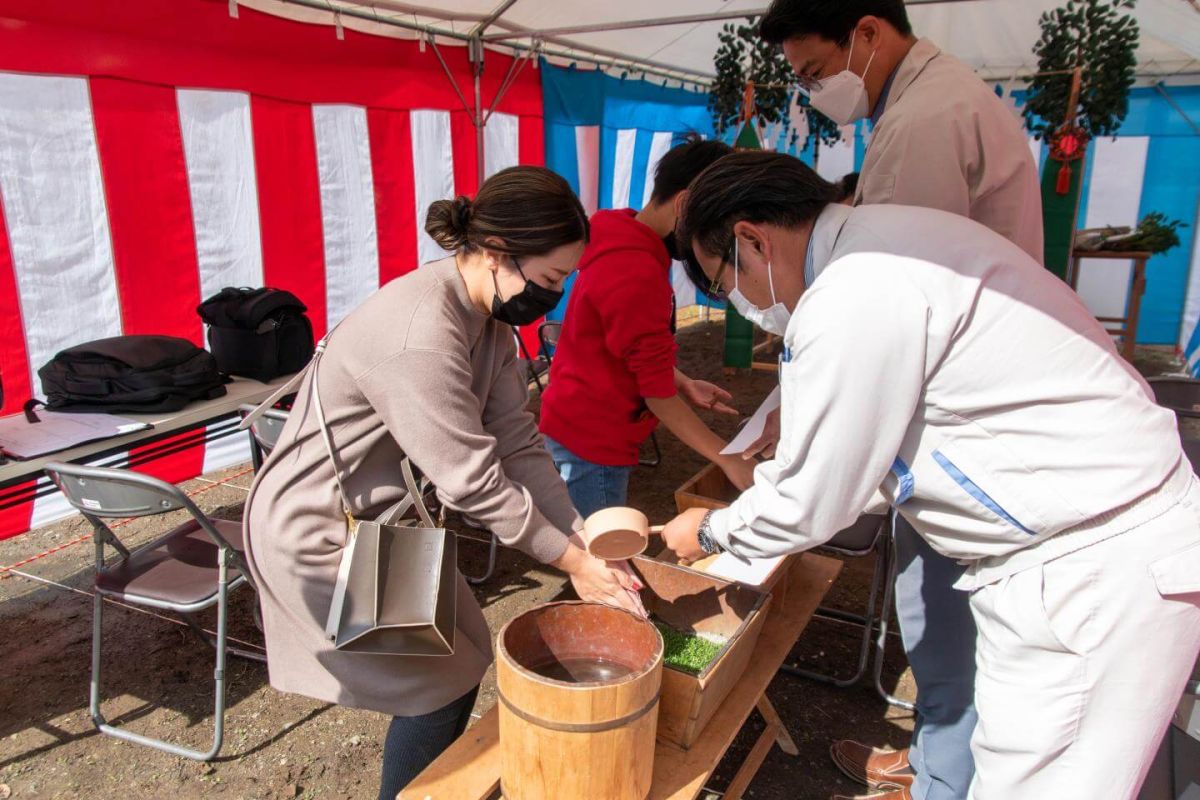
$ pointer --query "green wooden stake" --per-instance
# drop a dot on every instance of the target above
(1059, 213)
(739, 332)
(739, 339)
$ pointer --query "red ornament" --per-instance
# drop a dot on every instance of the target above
(1067, 144)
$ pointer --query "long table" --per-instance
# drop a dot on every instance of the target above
(470, 768)
(210, 420)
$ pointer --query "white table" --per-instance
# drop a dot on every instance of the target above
(16, 476)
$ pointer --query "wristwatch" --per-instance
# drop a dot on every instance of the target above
(707, 543)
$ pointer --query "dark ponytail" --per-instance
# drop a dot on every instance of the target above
(529, 210)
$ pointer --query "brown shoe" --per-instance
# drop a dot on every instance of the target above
(877, 769)
(898, 794)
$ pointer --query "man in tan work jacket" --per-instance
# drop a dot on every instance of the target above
(942, 139)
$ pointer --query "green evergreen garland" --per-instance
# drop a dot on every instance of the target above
(744, 56)
(1094, 35)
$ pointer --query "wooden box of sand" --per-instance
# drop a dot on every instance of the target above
(703, 619)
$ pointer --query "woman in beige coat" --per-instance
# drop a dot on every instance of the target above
(425, 368)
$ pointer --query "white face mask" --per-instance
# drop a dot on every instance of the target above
(843, 97)
(772, 320)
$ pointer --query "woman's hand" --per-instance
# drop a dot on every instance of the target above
(599, 581)
(682, 535)
(702, 394)
(739, 471)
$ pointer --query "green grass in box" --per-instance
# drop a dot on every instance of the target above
(686, 651)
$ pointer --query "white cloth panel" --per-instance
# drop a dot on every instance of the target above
(501, 148)
(834, 161)
(1114, 195)
(685, 291)
(347, 208)
(226, 452)
(659, 146)
(54, 205)
(218, 145)
(433, 172)
(1191, 307)
(623, 167)
(1035, 147)
(587, 155)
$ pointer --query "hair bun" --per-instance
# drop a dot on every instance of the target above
(462, 213)
(449, 221)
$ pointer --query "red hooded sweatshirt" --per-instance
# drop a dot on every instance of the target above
(617, 347)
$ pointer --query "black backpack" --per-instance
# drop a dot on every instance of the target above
(258, 333)
(139, 374)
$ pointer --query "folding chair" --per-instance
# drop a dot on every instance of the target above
(535, 368)
(870, 533)
(191, 568)
(549, 334)
(264, 433)
(1180, 394)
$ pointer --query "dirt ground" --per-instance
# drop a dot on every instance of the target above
(158, 677)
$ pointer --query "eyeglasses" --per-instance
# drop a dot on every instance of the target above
(714, 289)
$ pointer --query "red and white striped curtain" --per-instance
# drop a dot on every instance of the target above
(155, 151)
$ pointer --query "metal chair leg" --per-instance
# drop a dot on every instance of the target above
(657, 459)
(218, 675)
(881, 639)
(868, 622)
(491, 567)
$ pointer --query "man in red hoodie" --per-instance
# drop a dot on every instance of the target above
(613, 376)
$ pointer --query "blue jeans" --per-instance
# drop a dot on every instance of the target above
(939, 638)
(591, 486)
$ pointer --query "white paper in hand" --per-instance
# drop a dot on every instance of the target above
(754, 427)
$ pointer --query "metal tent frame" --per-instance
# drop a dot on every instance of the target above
(550, 42)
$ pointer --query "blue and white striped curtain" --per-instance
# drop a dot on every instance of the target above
(605, 135)
(1153, 164)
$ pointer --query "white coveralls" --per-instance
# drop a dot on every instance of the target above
(936, 362)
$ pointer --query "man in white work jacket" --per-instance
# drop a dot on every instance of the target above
(931, 360)
(941, 139)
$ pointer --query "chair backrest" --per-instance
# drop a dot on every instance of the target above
(549, 333)
(860, 538)
(104, 493)
(266, 428)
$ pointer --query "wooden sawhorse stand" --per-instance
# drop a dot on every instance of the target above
(1133, 304)
(470, 768)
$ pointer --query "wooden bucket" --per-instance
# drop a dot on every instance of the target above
(578, 685)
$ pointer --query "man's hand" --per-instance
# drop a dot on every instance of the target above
(682, 535)
(702, 394)
(764, 445)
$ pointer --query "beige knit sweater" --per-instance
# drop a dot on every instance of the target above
(416, 369)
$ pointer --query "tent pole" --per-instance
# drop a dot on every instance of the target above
(397, 23)
(476, 45)
(589, 55)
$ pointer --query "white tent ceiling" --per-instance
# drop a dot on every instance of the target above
(996, 37)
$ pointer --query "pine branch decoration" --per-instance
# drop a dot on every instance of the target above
(1099, 36)
(743, 56)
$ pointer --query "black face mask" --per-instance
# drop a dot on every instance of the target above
(528, 306)
(672, 247)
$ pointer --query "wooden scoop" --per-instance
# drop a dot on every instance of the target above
(618, 533)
